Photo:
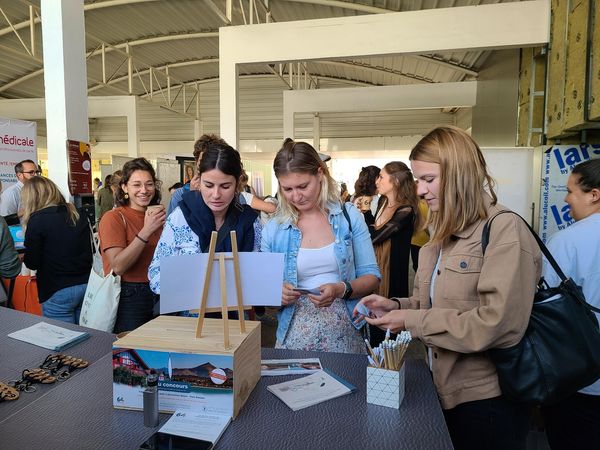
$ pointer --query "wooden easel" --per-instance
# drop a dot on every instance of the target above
(238, 285)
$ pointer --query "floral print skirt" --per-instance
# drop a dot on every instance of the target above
(322, 329)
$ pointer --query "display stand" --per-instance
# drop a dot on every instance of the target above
(238, 285)
(228, 365)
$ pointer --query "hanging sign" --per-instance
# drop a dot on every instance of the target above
(17, 143)
(80, 168)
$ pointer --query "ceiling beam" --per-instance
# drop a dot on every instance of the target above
(87, 7)
(118, 46)
(344, 5)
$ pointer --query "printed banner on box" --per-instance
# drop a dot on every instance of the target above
(557, 163)
(17, 143)
(186, 381)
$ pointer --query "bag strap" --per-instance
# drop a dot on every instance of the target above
(92, 239)
(485, 238)
(347, 216)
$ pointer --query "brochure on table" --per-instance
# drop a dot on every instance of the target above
(197, 425)
(311, 390)
(49, 336)
(279, 367)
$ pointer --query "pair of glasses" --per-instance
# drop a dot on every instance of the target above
(33, 172)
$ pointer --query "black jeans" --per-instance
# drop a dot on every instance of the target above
(136, 306)
(490, 424)
(574, 423)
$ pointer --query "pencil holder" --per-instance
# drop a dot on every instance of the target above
(385, 387)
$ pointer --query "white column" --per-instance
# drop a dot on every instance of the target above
(133, 130)
(65, 78)
(198, 129)
(317, 132)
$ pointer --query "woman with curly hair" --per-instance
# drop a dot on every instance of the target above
(365, 191)
(128, 238)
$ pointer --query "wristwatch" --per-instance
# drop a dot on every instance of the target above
(347, 291)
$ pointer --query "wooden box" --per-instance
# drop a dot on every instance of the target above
(194, 374)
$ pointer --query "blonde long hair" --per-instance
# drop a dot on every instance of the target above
(41, 192)
(300, 157)
(464, 180)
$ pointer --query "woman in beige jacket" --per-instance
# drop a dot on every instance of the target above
(464, 303)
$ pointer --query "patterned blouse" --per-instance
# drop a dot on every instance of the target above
(177, 238)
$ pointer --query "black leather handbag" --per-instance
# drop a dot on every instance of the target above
(560, 351)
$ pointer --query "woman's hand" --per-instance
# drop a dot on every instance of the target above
(328, 293)
(378, 307)
(153, 220)
(288, 294)
(393, 321)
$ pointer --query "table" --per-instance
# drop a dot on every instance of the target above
(78, 413)
(16, 356)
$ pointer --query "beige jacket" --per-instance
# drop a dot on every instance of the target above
(479, 303)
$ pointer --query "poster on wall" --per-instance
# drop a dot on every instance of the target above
(557, 163)
(80, 167)
(17, 143)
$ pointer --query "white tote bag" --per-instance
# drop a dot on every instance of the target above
(101, 300)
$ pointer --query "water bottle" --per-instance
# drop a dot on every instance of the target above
(151, 401)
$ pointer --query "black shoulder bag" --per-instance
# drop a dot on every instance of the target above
(560, 351)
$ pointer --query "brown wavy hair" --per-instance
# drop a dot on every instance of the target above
(128, 168)
(464, 180)
(405, 190)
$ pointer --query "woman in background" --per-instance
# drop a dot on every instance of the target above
(128, 237)
(57, 245)
(189, 174)
(365, 196)
(248, 197)
(574, 423)
(391, 231)
(464, 302)
(329, 259)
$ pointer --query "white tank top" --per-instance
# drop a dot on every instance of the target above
(317, 266)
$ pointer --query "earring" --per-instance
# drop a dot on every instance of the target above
(126, 196)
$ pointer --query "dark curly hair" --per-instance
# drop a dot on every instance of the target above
(365, 185)
(128, 168)
(203, 142)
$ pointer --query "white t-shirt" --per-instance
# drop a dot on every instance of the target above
(317, 266)
(11, 199)
(577, 252)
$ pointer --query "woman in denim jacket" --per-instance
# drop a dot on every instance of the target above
(329, 259)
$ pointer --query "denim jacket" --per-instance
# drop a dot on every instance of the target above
(353, 251)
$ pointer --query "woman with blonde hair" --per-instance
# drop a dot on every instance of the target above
(329, 259)
(57, 245)
(391, 230)
(465, 303)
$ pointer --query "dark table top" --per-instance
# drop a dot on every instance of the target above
(78, 413)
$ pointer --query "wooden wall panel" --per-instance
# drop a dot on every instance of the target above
(576, 74)
(556, 68)
(594, 106)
